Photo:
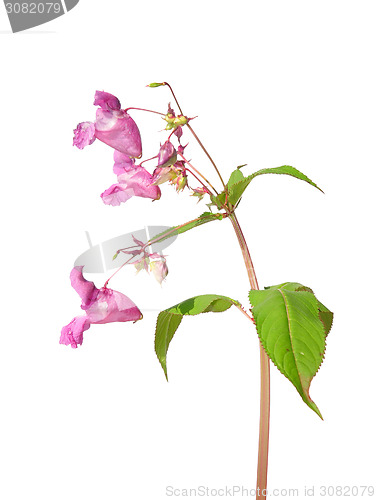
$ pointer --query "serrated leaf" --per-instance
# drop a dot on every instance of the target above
(174, 231)
(237, 188)
(286, 170)
(236, 176)
(326, 317)
(292, 325)
(169, 320)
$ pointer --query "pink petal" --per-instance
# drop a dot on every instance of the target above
(85, 289)
(84, 135)
(116, 194)
(106, 101)
(73, 333)
(118, 130)
(111, 306)
(140, 180)
(123, 163)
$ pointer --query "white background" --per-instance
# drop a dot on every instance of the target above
(273, 83)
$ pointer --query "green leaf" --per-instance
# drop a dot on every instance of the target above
(239, 185)
(292, 326)
(286, 170)
(237, 189)
(169, 320)
(218, 200)
(174, 231)
(155, 85)
(236, 176)
(326, 317)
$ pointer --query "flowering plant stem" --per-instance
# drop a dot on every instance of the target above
(262, 467)
(263, 448)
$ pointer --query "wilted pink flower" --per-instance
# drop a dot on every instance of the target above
(180, 180)
(200, 192)
(162, 174)
(176, 174)
(142, 264)
(153, 262)
(159, 269)
(133, 180)
(100, 305)
(113, 126)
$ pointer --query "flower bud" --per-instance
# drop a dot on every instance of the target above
(167, 155)
(173, 122)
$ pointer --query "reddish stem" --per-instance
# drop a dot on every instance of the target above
(117, 270)
(197, 172)
(148, 159)
(174, 96)
(262, 467)
(195, 135)
(173, 230)
(199, 180)
(148, 110)
(207, 154)
(263, 450)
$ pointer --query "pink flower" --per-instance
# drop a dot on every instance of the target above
(133, 180)
(113, 126)
(100, 305)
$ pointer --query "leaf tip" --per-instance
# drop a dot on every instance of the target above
(312, 405)
(318, 413)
